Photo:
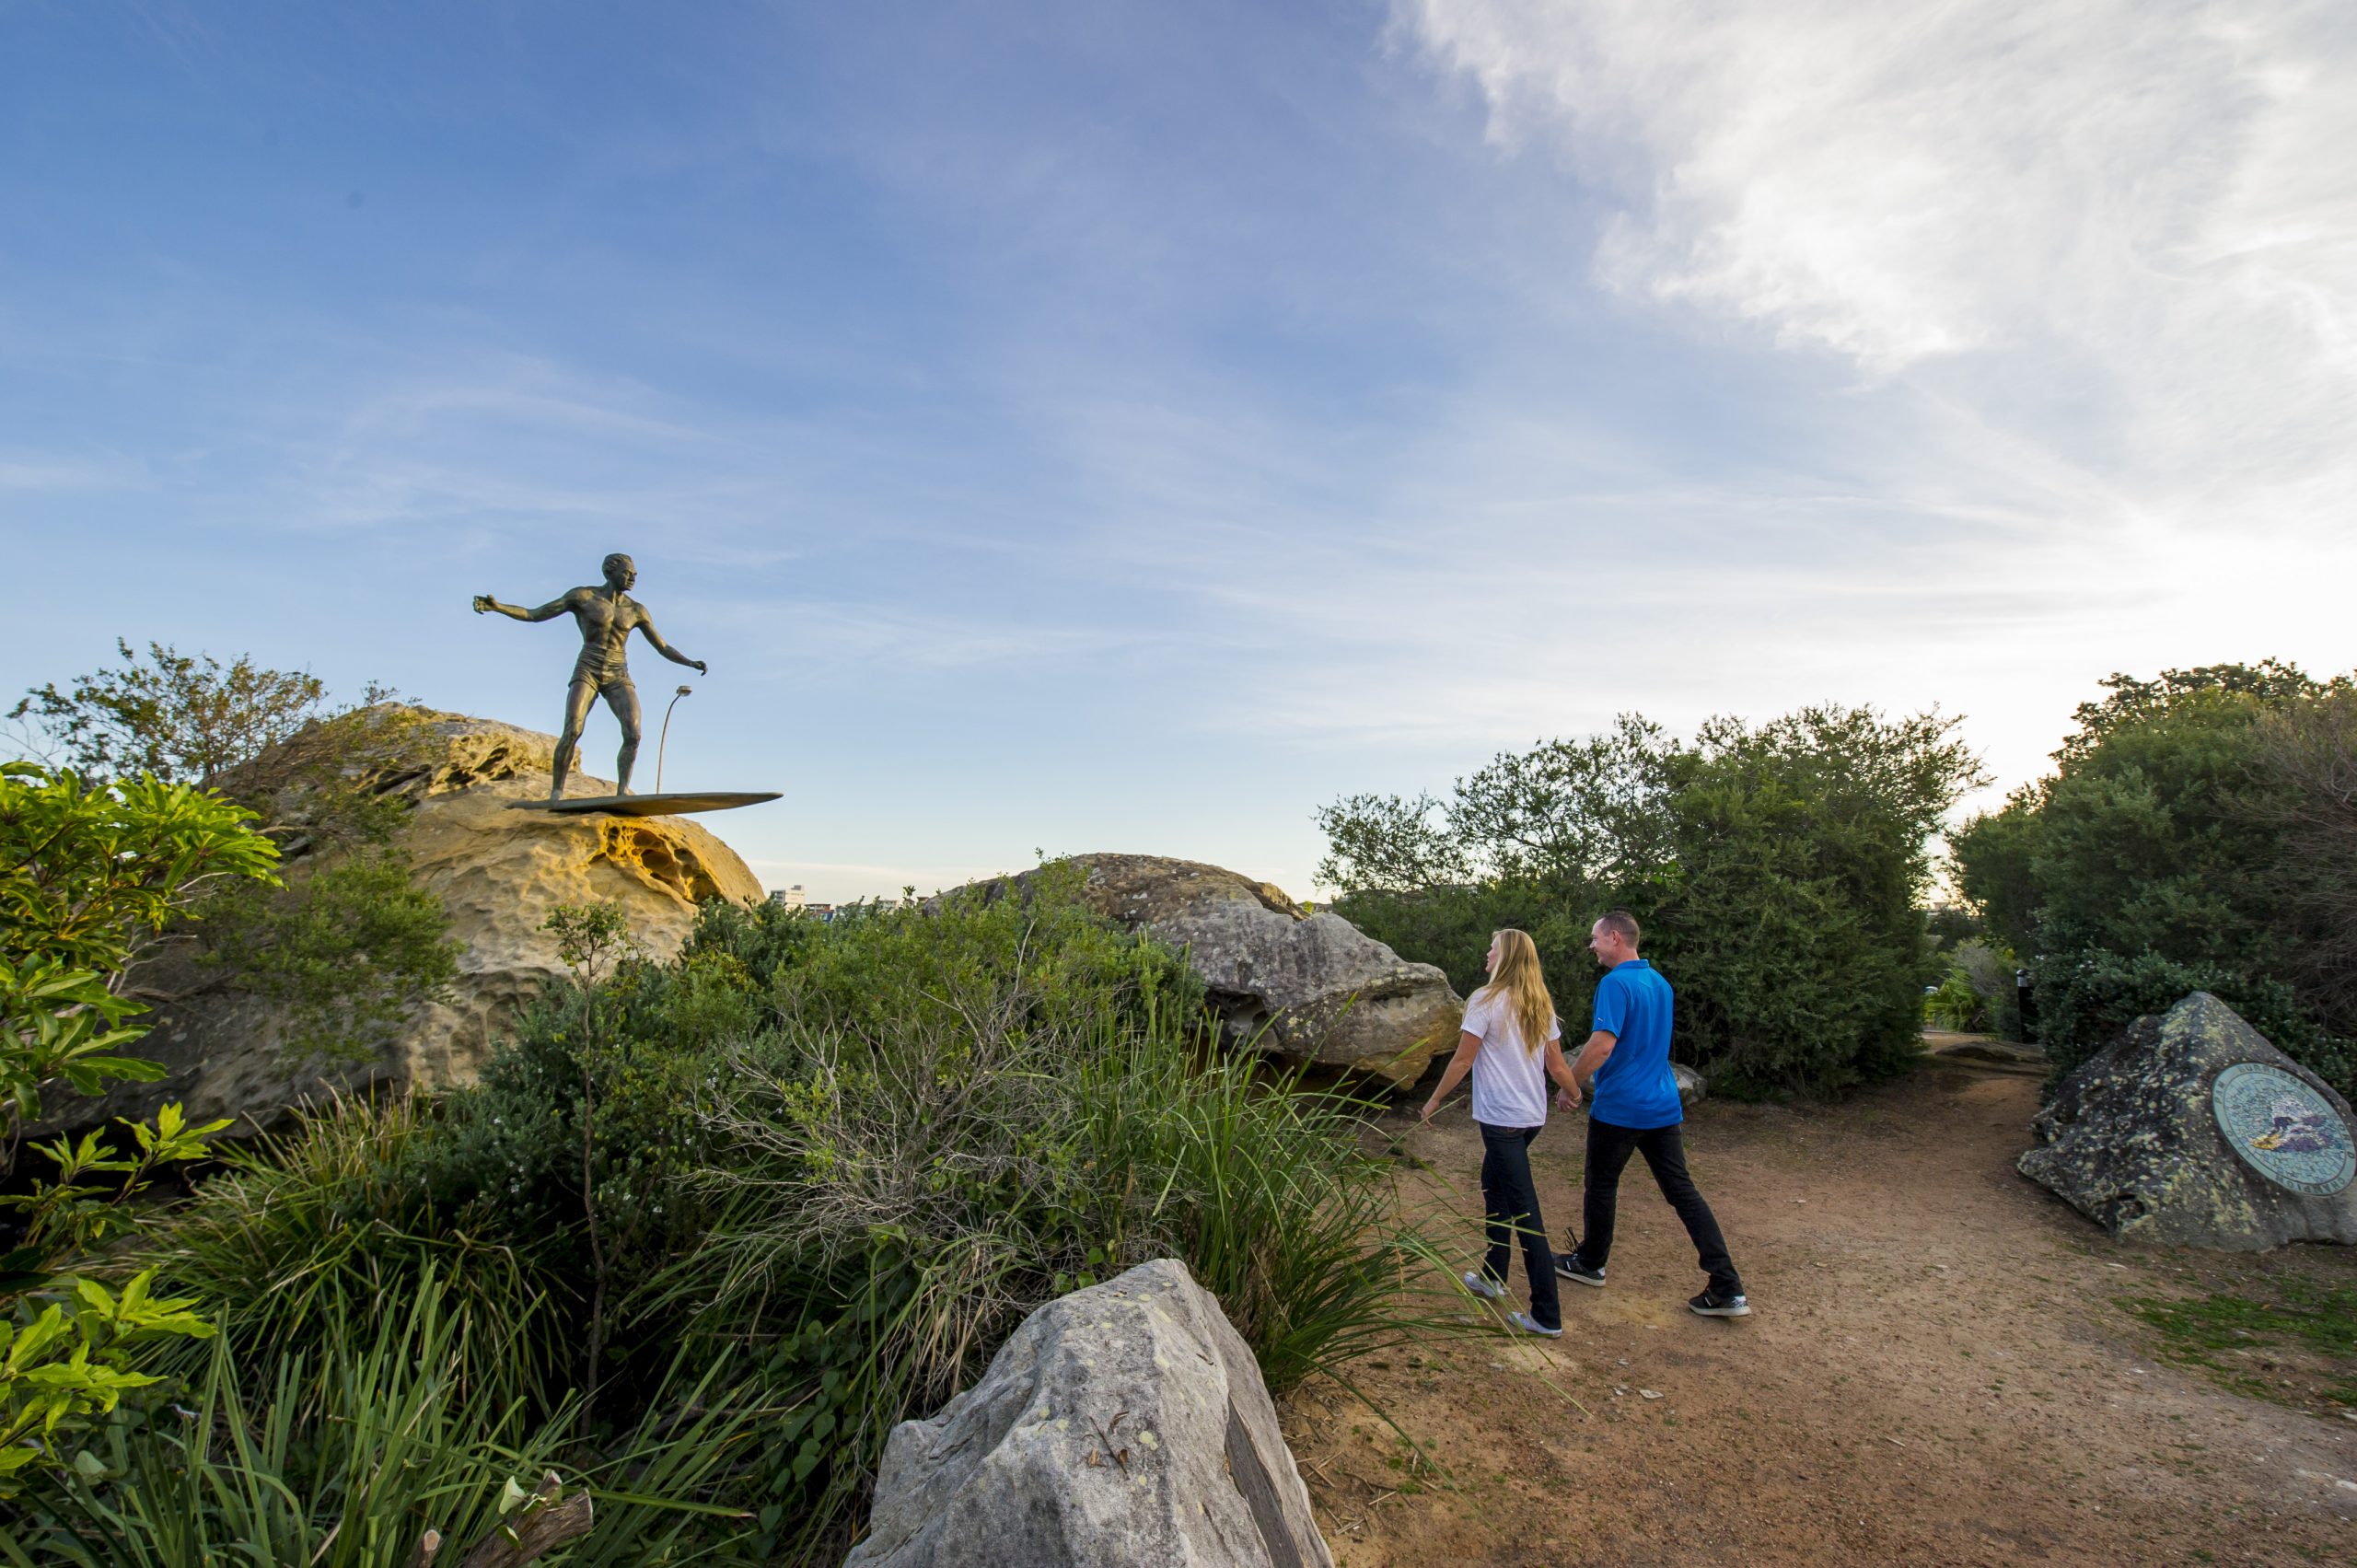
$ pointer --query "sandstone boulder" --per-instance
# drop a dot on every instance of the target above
(2192, 1130)
(498, 872)
(1310, 989)
(1121, 1425)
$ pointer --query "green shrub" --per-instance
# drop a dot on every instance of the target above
(1955, 1005)
(89, 875)
(822, 1167)
(2177, 847)
(1777, 872)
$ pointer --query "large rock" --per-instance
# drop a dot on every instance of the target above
(1310, 989)
(1119, 1426)
(498, 872)
(2136, 1139)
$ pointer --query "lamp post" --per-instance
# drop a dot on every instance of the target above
(665, 739)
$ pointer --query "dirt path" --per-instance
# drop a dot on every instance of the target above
(1935, 1372)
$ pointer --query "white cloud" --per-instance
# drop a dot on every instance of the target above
(2126, 232)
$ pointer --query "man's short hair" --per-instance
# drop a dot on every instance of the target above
(608, 564)
(1620, 922)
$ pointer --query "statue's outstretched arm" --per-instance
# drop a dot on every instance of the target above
(486, 605)
(667, 651)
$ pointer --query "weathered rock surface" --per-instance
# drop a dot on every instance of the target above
(499, 873)
(1310, 989)
(1119, 1426)
(2132, 1140)
(1692, 1087)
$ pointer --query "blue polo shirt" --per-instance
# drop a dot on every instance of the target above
(1634, 1088)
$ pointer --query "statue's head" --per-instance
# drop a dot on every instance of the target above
(620, 570)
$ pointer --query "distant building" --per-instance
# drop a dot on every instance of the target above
(789, 896)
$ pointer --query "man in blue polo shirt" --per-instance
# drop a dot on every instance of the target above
(1634, 1108)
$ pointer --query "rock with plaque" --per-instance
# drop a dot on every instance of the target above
(2191, 1129)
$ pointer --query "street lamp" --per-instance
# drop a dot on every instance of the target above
(665, 737)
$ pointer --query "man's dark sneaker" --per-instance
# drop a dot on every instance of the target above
(1568, 1265)
(1713, 1305)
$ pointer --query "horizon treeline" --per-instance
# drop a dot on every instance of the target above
(1778, 872)
(2198, 832)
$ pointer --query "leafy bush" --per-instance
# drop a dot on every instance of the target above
(347, 943)
(88, 874)
(2186, 841)
(1955, 1005)
(1777, 873)
(820, 1169)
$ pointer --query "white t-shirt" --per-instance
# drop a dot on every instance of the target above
(1509, 1082)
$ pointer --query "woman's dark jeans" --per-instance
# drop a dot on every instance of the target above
(1608, 1149)
(1512, 1199)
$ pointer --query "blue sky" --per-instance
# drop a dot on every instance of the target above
(1128, 426)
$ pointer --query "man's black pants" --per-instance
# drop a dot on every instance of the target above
(1608, 1149)
(1512, 1199)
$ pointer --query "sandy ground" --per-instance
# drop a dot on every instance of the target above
(1935, 1372)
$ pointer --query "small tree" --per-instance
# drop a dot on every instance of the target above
(351, 945)
(183, 719)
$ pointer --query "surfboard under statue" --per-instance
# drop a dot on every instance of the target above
(679, 803)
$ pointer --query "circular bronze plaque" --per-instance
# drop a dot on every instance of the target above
(2283, 1128)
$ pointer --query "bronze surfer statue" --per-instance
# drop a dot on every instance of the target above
(607, 617)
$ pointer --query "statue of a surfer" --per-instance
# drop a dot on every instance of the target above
(607, 617)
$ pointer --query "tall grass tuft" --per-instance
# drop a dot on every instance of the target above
(316, 1228)
(891, 1205)
(363, 1442)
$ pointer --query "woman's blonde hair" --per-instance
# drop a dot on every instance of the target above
(1518, 979)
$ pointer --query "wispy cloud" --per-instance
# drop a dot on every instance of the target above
(2128, 229)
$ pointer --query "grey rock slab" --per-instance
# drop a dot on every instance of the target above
(1309, 989)
(1692, 1087)
(1119, 1426)
(2133, 1141)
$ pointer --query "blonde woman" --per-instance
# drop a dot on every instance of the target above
(1511, 1044)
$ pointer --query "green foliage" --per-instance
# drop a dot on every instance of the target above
(64, 1362)
(1955, 1006)
(181, 719)
(350, 945)
(2156, 859)
(819, 1169)
(355, 1207)
(62, 1024)
(348, 950)
(70, 1214)
(87, 874)
(2308, 754)
(1777, 872)
(379, 1428)
(91, 872)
